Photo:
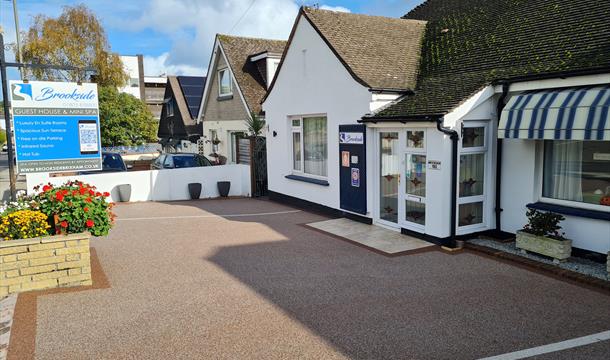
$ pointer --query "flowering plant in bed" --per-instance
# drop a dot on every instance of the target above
(75, 207)
(542, 234)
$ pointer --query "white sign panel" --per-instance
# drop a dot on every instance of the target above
(351, 138)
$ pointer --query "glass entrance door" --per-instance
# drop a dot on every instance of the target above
(415, 189)
(389, 176)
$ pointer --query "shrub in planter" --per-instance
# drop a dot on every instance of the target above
(542, 234)
(75, 207)
(24, 224)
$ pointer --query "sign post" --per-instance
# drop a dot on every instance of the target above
(56, 126)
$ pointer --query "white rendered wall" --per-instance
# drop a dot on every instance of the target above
(160, 185)
(521, 173)
(311, 81)
(130, 65)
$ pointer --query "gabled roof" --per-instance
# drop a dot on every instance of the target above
(471, 43)
(238, 51)
(192, 91)
(379, 52)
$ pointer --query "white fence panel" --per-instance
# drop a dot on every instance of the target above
(160, 185)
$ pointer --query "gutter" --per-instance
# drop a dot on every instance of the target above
(455, 137)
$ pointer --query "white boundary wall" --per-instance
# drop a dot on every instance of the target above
(160, 185)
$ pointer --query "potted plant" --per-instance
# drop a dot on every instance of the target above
(542, 235)
(223, 188)
(194, 190)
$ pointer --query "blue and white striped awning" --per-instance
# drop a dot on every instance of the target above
(580, 113)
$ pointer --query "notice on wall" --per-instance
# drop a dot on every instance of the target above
(56, 126)
(351, 138)
(345, 158)
(355, 177)
(434, 164)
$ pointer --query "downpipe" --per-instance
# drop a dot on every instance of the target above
(455, 137)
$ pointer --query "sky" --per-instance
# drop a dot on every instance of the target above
(176, 36)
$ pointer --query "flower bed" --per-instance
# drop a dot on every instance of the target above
(45, 237)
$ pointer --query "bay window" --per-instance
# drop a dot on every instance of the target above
(577, 171)
(309, 145)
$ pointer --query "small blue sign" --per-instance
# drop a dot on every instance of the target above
(355, 177)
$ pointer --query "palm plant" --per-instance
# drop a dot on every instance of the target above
(255, 124)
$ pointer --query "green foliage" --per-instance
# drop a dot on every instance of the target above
(124, 120)
(255, 124)
(2, 136)
(75, 207)
(75, 38)
(544, 224)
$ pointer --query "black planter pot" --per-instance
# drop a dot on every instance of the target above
(124, 192)
(224, 187)
(195, 190)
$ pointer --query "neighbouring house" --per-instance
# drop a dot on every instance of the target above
(239, 72)
(149, 89)
(449, 122)
(179, 129)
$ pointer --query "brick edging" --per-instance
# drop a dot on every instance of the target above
(548, 269)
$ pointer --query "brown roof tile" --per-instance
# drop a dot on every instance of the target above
(238, 51)
(380, 52)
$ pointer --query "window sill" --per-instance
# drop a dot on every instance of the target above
(224, 97)
(307, 180)
(571, 211)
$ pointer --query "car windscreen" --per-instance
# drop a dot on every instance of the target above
(112, 162)
(185, 161)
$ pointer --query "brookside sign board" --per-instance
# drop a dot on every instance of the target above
(56, 126)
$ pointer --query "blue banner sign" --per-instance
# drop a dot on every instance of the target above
(56, 126)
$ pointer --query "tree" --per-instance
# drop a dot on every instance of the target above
(124, 119)
(255, 124)
(76, 38)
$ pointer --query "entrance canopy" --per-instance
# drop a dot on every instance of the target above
(578, 113)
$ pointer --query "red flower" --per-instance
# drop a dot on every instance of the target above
(86, 209)
(106, 194)
(65, 192)
(91, 192)
(63, 224)
(46, 188)
(59, 196)
(90, 223)
(74, 192)
(82, 190)
(98, 194)
(88, 200)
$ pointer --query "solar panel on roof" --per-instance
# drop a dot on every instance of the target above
(192, 89)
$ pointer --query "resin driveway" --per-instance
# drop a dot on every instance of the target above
(245, 279)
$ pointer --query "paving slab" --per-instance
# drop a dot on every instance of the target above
(375, 237)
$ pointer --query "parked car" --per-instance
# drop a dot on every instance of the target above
(4, 148)
(111, 162)
(179, 160)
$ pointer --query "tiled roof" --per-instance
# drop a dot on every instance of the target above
(380, 52)
(471, 43)
(238, 51)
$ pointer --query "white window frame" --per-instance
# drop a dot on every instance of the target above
(299, 129)
(486, 178)
(402, 208)
(560, 202)
(220, 71)
(170, 107)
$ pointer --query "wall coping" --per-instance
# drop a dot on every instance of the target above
(43, 240)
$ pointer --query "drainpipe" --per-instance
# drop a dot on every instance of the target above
(499, 142)
(454, 136)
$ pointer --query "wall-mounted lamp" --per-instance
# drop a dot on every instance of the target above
(274, 133)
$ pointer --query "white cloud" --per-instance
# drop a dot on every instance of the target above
(335, 8)
(192, 25)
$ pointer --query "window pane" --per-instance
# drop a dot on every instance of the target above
(473, 137)
(577, 171)
(314, 145)
(416, 212)
(416, 175)
(225, 82)
(415, 139)
(296, 123)
(296, 151)
(390, 172)
(470, 214)
(472, 174)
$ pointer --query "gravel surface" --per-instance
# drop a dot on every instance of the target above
(580, 265)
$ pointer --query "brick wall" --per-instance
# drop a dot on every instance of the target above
(41, 263)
